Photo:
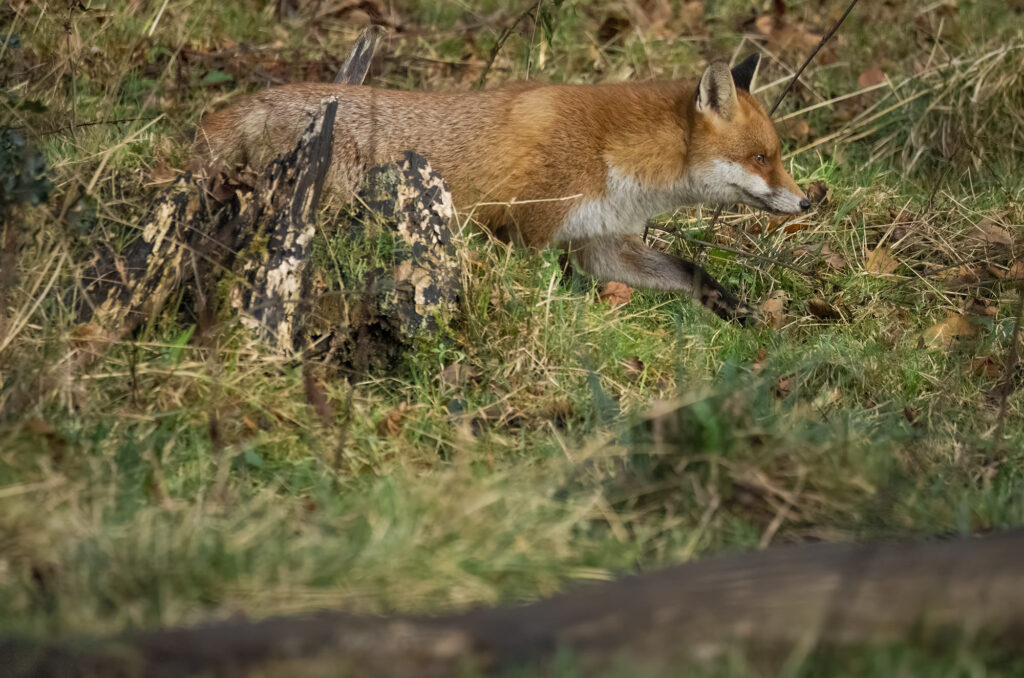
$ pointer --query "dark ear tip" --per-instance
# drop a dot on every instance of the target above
(743, 74)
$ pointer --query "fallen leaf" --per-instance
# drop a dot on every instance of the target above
(985, 308)
(784, 387)
(788, 224)
(880, 261)
(817, 192)
(161, 174)
(456, 374)
(989, 231)
(615, 293)
(961, 276)
(39, 427)
(391, 425)
(1014, 272)
(634, 366)
(986, 366)
(796, 129)
(911, 414)
(787, 34)
(836, 261)
(316, 395)
(943, 335)
(762, 355)
(822, 309)
(773, 310)
(871, 77)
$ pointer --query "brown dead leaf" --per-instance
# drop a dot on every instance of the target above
(773, 310)
(634, 367)
(961, 276)
(831, 257)
(391, 425)
(784, 387)
(846, 110)
(943, 335)
(985, 308)
(762, 355)
(881, 262)
(989, 231)
(796, 129)
(615, 293)
(836, 261)
(1014, 272)
(660, 18)
(316, 395)
(817, 192)
(871, 77)
(788, 224)
(986, 366)
(822, 309)
(786, 34)
(911, 414)
(160, 175)
(39, 427)
(456, 375)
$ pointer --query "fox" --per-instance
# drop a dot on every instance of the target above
(578, 167)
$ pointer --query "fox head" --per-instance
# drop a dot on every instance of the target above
(734, 153)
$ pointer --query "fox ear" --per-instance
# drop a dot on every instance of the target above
(743, 75)
(716, 92)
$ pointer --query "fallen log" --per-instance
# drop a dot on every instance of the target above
(778, 599)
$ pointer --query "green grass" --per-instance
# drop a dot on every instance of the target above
(545, 464)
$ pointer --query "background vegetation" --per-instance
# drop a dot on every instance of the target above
(548, 434)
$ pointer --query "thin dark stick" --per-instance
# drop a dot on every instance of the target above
(824, 39)
(501, 42)
(90, 124)
(1010, 370)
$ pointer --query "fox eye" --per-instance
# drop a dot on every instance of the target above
(760, 159)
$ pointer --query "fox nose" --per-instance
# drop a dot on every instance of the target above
(805, 204)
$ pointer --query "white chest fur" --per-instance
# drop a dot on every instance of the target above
(623, 208)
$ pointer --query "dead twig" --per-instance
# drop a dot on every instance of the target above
(825, 38)
(501, 42)
(73, 127)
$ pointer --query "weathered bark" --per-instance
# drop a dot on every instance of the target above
(279, 243)
(372, 320)
(822, 594)
(121, 291)
(357, 65)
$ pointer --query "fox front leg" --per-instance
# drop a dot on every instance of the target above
(626, 259)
